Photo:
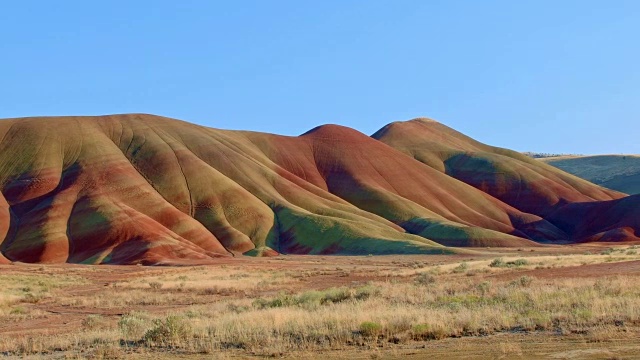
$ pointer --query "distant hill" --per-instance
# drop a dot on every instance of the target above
(139, 188)
(617, 172)
(536, 155)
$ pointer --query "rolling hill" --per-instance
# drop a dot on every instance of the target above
(146, 189)
(516, 179)
(617, 172)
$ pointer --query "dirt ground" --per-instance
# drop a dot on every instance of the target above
(89, 289)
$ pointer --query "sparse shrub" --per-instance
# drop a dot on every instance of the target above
(238, 309)
(192, 314)
(484, 287)
(155, 285)
(370, 329)
(92, 321)
(497, 263)
(365, 292)
(398, 325)
(475, 272)
(18, 310)
(519, 262)
(32, 298)
(106, 351)
(238, 276)
(170, 331)
(609, 251)
(632, 252)
(461, 268)
(523, 281)
(281, 301)
(337, 295)
(608, 288)
(311, 299)
(427, 332)
(133, 324)
(425, 279)
(217, 290)
(500, 263)
(263, 284)
(420, 331)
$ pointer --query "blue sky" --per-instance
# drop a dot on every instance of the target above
(548, 76)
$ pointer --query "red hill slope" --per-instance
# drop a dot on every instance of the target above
(607, 221)
(143, 188)
(516, 179)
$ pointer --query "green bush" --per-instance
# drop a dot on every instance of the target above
(609, 251)
(336, 295)
(365, 292)
(426, 332)
(370, 329)
(283, 300)
(497, 263)
(519, 262)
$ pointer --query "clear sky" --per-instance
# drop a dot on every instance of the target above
(548, 76)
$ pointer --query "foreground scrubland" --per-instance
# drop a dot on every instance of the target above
(498, 303)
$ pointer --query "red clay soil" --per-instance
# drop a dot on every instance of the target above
(626, 268)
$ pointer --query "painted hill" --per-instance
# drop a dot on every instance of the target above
(520, 181)
(607, 221)
(142, 188)
(617, 172)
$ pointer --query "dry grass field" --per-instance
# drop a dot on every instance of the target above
(550, 302)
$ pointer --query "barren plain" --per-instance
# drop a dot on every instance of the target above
(555, 302)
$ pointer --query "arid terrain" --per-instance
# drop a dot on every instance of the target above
(263, 180)
(135, 188)
(569, 302)
(456, 248)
